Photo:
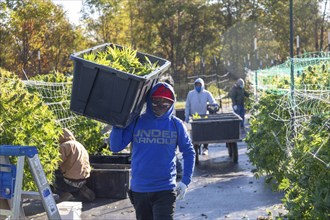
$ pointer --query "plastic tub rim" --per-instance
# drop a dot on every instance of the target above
(162, 68)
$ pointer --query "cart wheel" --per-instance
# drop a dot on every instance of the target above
(234, 152)
(230, 152)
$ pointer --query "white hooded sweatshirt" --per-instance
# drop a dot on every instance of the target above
(197, 101)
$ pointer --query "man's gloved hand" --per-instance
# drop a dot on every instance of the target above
(235, 107)
(181, 190)
(216, 107)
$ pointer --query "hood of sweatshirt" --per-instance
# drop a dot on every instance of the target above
(66, 136)
(149, 106)
(201, 81)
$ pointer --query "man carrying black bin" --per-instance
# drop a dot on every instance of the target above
(179, 161)
(155, 136)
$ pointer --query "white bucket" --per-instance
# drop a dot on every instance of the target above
(70, 210)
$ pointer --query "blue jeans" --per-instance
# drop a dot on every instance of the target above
(154, 205)
(241, 112)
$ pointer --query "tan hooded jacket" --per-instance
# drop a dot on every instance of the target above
(75, 160)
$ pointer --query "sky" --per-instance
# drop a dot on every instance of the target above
(72, 7)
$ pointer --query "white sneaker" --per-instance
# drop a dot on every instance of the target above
(205, 151)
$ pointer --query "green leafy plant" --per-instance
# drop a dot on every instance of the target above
(298, 161)
(266, 139)
(124, 59)
(26, 121)
(315, 77)
(90, 133)
(308, 195)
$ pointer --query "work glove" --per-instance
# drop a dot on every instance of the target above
(181, 190)
(235, 107)
(214, 107)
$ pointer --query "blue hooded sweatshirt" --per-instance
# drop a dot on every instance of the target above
(154, 142)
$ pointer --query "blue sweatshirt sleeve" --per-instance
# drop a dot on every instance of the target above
(121, 137)
(188, 153)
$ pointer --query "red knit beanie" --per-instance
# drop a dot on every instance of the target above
(163, 92)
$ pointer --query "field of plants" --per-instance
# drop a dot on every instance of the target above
(33, 112)
(289, 141)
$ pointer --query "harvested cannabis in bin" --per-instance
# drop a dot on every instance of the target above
(124, 59)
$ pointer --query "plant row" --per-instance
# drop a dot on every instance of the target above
(26, 120)
(289, 142)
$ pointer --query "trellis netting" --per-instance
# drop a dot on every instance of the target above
(56, 96)
(310, 95)
(278, 77)
(52, 92)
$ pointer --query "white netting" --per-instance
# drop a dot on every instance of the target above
(57, 97)
(305, 100)
(273, 78)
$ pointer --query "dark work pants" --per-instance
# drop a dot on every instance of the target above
(241, 112)
(154, 205)
(198, 147)
(61, 186)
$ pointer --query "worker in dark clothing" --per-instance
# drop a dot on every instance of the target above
(237, 95)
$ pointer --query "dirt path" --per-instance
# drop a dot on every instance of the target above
(220, 190)
(224, 190)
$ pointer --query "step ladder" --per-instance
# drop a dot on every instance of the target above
(11, 180)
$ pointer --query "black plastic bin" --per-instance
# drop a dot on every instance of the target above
(109, 95)
(180, 113)
(110, 176)
(216, 128)
(112, 159)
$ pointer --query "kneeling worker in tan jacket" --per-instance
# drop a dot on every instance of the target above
(70, 182)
